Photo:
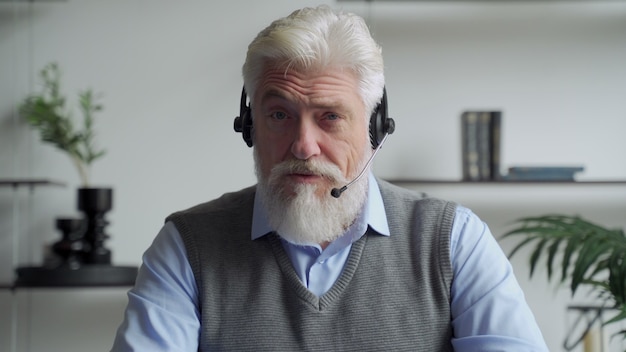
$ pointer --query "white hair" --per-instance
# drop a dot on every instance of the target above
(315, 39)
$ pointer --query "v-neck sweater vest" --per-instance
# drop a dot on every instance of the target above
(393, 293)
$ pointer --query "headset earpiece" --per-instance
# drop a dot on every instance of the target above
(380, 122)
(243, 122)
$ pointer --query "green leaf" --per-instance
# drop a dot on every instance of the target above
(620, 316)
(552, 250)
(534, 257)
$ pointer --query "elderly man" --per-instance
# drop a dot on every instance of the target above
(316, 257)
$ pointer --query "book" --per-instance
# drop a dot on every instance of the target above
(496, 137)
(543, 173)
(484, 145)
(469, 146)
(481, 139)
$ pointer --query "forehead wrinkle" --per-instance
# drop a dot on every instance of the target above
(317, 102)
(304, 81)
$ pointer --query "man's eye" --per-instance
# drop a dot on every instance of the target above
(332, 117)
(279, 115)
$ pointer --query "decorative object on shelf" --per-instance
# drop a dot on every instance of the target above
(47, 113)
(83, 260)
(480, 145)
(83, 239)
(94, 203)
(70, 250)
(590, 255)
(542, 173)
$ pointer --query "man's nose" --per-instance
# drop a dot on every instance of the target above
(306, 140)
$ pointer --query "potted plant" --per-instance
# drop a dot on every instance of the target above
(46, 111)
(585, 253)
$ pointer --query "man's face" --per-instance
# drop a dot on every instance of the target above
(315, 117)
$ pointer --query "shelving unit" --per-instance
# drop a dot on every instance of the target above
(408, 181)
(561, 195)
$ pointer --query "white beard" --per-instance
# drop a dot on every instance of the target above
(301, 216)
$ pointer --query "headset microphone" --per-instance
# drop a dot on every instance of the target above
(336, 192)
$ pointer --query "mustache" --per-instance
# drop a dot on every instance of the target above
(308, 167)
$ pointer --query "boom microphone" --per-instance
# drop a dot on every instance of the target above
(336, 192)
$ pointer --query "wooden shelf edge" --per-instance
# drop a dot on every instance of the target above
(504, 182)
(586, 307)
(23, 182)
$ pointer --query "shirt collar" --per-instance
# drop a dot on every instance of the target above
(373, 215)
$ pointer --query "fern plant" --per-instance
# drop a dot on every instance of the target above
(47, 112)
(586, 254)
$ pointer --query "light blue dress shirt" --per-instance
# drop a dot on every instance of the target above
(489, 312)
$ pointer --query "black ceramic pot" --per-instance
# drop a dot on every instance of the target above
(94, 203)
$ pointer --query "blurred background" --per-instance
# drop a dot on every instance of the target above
(169, 77)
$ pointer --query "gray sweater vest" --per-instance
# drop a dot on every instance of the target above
(393, 293)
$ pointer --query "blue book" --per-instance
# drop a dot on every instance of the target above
(543, 173)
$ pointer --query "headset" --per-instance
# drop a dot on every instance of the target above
(381, 124)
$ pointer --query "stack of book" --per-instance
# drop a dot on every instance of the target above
(480, 134)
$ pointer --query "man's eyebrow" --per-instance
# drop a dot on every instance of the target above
(274, 93)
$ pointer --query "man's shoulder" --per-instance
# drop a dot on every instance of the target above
(399, 200)
(389, 189)
(228, 202)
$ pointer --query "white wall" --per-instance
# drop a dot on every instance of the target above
(170, 77)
